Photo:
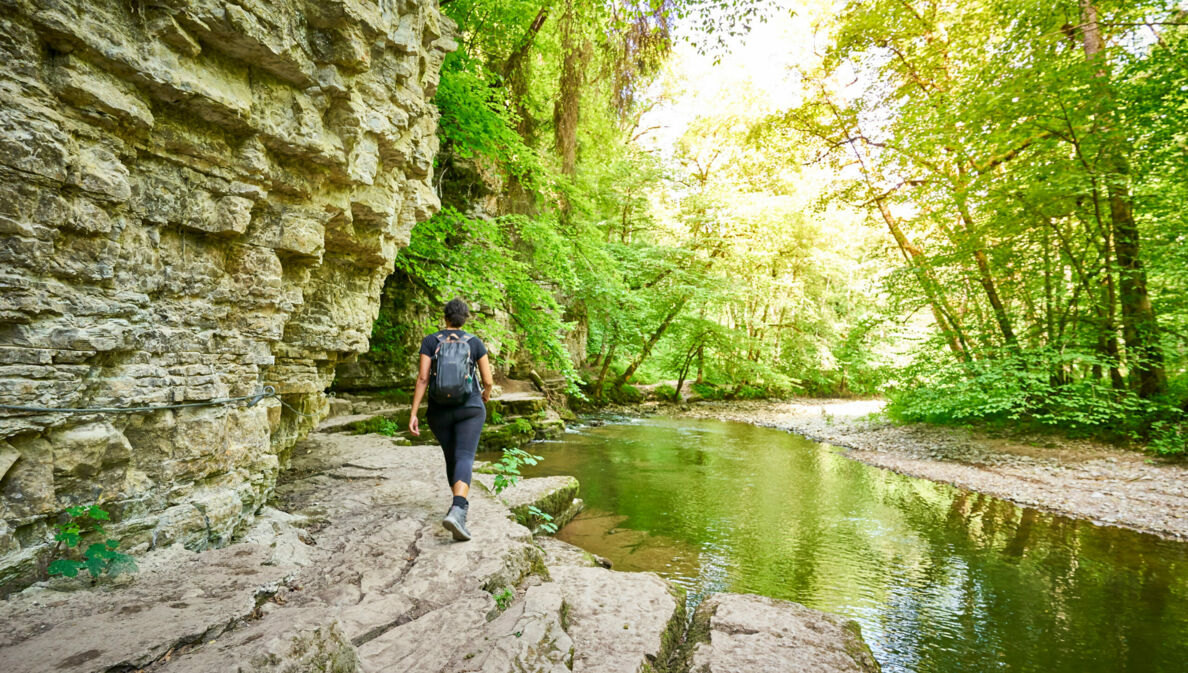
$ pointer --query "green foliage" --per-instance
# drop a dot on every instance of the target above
(494, 263)
(98, 558)
(1003, 146)
(503, 598)
(1039, 387)
(666, 392)
(709, 391)
(496, 418)
(627, 394)
(507, 468)
(547, 526)
(746, 392)
(380, 425)
(1169, 438)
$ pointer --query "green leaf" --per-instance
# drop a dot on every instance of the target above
(68, 536)
(64, 567)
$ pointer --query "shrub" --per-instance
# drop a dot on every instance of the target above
(507, 470)
(1169, 439)
(627, 394)
(708, 391)
(751, 393)
(1022, 388)
(666, 392)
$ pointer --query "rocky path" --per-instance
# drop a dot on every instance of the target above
(1077, 478)
(352, 572)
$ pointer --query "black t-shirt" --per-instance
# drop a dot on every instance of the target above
(477, 350)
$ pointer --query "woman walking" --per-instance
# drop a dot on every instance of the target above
(456, 412)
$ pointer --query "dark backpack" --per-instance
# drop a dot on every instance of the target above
(453, 370)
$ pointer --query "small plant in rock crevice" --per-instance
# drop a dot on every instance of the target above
(547, 526)
(507, 469)
(503, 598)
(97, 558)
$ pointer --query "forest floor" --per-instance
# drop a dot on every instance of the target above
(1075, 477)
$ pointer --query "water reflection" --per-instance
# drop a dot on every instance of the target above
(940, 579)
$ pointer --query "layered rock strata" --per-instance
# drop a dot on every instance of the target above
(358, 575)
(197, 199)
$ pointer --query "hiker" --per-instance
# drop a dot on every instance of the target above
(456, 404)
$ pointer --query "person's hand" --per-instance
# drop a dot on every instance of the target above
(486, 394)
(414, 425)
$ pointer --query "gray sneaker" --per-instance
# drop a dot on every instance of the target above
(455, 522)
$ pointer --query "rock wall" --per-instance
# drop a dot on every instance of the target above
(198, 198)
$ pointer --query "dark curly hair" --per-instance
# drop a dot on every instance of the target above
(456, 313)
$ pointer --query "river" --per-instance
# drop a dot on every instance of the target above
(940, 579)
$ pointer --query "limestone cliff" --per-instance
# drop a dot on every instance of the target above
(198, 198)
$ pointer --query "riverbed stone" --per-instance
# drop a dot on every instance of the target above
(198, 199)
(745, 633)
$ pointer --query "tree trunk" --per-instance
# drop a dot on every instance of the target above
(945, 322)
(685, 371)
(1140, 329)
(565, 110)
(610, 357)
(651, 342)
(984, 277)
(515, 72)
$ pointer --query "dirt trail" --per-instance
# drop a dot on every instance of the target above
(1078, 478)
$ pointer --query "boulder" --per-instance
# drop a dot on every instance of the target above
(517, 404)
(510, 435)
(620, 622)
(554, 496)
(743, 633)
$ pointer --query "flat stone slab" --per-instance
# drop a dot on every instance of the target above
(133, 623)
(296, 640)
(743, 633)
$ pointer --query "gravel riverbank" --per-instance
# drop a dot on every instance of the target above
(1077, 478)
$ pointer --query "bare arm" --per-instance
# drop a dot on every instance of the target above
(485, 371)
(414, 425)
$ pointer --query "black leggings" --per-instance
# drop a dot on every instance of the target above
(457, 430)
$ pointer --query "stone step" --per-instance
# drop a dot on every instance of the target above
(517, 404)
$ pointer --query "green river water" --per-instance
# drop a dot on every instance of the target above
(941, 580)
